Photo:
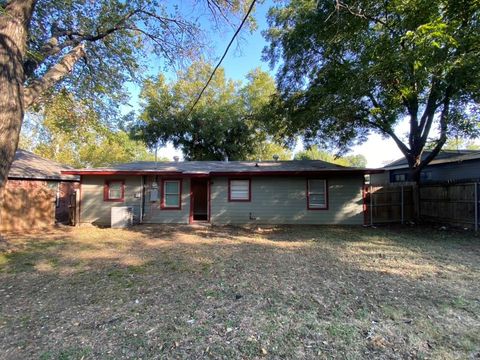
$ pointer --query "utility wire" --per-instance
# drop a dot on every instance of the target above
(223, 57)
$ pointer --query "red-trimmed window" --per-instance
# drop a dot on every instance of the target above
(114, 190)
(171, 194)
(239, 190)
(317, 194)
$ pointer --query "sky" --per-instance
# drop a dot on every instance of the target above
(245, 55)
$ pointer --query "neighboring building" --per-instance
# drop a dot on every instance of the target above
(220, 192)
(37, 194)
(448, 166)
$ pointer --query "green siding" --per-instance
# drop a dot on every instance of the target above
(93, 209)
(282, 200)
(155, 215)
(275, 200)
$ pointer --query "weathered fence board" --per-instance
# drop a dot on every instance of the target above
(388, 204)
(454, 204)
(27, 208)
(449, 204)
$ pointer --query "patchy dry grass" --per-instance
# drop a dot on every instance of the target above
(220, 292)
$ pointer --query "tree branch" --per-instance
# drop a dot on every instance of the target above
(50, 48)
(443, 128)
(403, 148)
(429, 112)
(341, 5)
(155, 40)
(53, 46)
(373, 100)
(53, 75)
(387, 130)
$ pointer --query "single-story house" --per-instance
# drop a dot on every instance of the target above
(448, 166)
(224, 192)
(37, 194)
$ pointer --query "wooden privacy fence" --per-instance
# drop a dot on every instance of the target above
(453, 204)
(449, 204)
(25, 209)
(388, 204)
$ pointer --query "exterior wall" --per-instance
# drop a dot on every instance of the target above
(283, 200)
(455, 171)
(275, 200)
(33, 204)
(153, 211)
(466, 170)
(380, 179)
(27, 205)
(93, 208)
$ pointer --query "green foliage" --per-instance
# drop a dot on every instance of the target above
(265, 150)
(121, 40)
(71, 133)
(348, 68)
(356, 160)
(314, 153)
(457, 144)
(224, 123)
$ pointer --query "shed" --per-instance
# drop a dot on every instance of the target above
(37, 194)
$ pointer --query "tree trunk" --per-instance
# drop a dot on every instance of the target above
(14, 24)
(414, 175)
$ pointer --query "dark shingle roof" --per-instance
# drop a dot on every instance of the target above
(218, 167)
(27, 165)
(444, 156)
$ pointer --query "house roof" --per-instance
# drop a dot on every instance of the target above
(443, 157)
(27, 165)
(218, 168)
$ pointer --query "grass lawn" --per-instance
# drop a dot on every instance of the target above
(223, 292)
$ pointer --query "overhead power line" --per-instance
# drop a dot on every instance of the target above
(247, 14)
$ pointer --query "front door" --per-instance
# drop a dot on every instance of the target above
(199, 199)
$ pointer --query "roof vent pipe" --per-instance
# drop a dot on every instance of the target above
(226, 159)
(275, 157)
(176, 158)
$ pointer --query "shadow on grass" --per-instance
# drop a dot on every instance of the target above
(228, 292)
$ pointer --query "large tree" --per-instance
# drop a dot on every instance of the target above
(72, 133)
(223, 124)
(314, 153)
(43, 41)
(351, 67)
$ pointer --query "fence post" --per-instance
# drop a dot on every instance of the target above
(476, 206)
(371, 205)
(402, 206)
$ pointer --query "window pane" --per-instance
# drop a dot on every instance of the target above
(115, 190)
(171, 200)
(239, 189)
(317, 199)
(114, 194)
(239, 195)
(115, 185)
(317, 186)
(172, 187)
(239, 184)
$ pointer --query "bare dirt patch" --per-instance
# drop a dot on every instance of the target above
(225, 292)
